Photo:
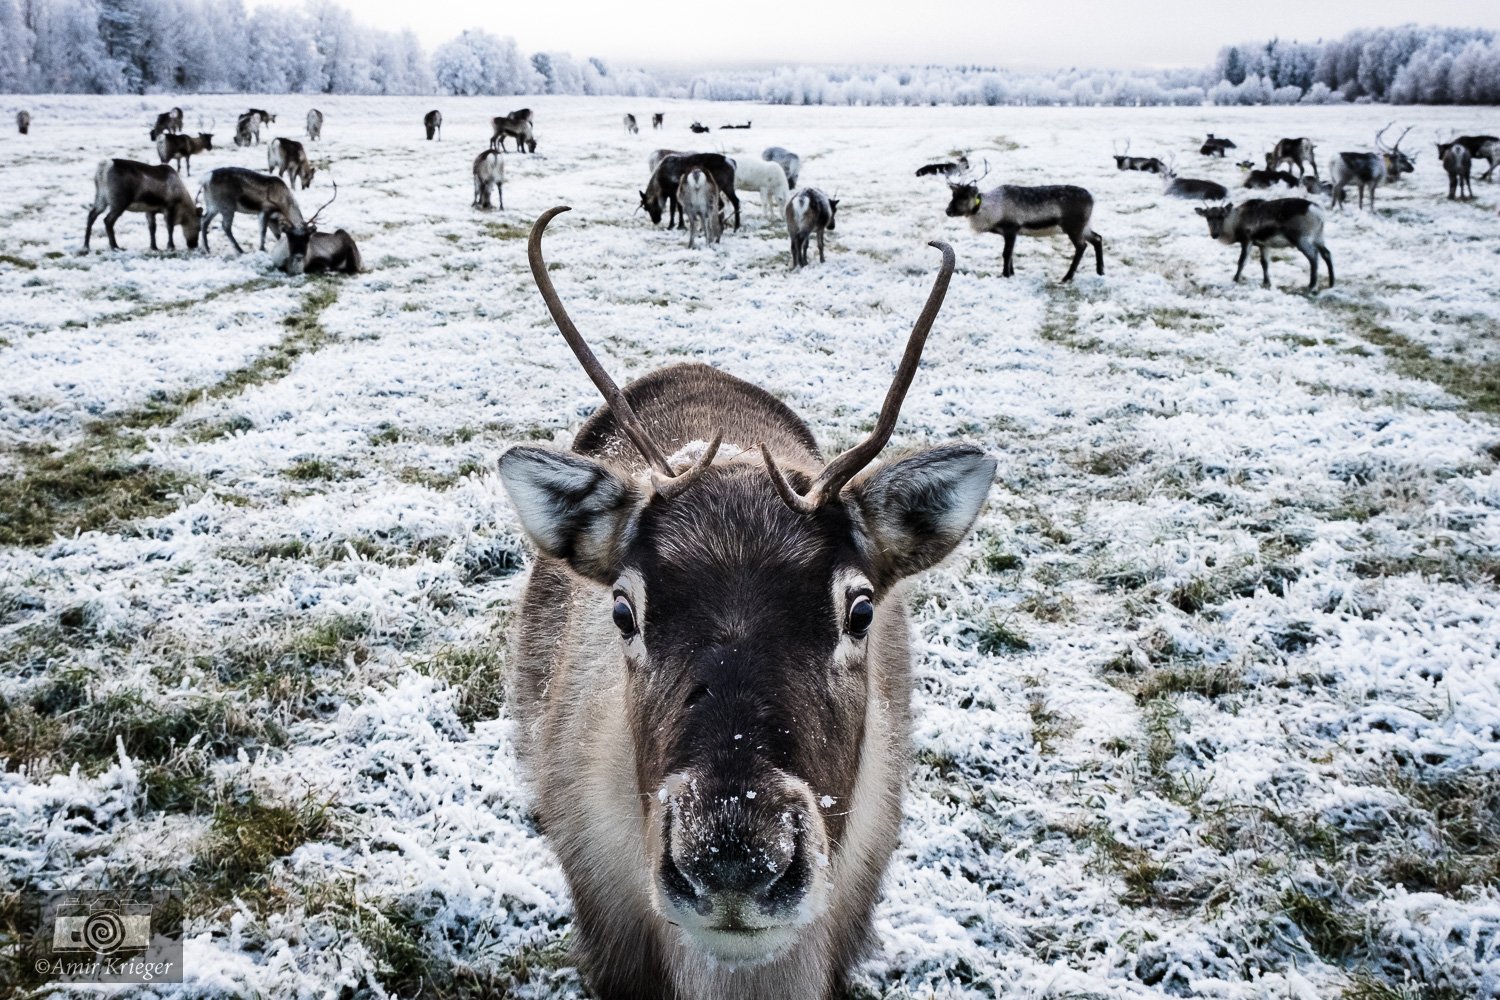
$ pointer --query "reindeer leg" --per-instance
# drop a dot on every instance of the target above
(1008, 269)
(265, 219)
(1311, 253)
(109, 227)
(1327, 259)
(1079, 246)
(500, 195)
(89, 232)
(1098, 242)
(1239, 272)
(1265, 268)
(820, 245)
(151, 228)
(228, 220)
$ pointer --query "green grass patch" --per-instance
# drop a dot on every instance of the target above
(247, 834)
(1475, 381)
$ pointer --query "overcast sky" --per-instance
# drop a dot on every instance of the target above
(1042, 33)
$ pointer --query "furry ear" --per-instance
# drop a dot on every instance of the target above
(573, 508)
(918, 509)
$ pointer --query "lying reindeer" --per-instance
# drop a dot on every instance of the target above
(945, 168)
(699, 127)
(1262, 179)
(131, 186)
(1284, 222)
(1147, 164)
(288, 158)
(1013, 211)
(304, 250)
(236, 189)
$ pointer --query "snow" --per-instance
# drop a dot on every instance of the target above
(1159, 430)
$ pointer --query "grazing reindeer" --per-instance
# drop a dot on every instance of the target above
(489, 172)
(288, 158)
(1148, 164)
(170, 146)
(658, 120)
(1300, 152)
(236, 189)
(1270, 178)
(247, 129)
(314, 125)
(1458, 162)
(790, 163)
(122, 186)
(1480, 147)
(23, 122)
(712, 688)
(766, 178)
(699, 127)
(630, 125)
(1013, 211)
(662, 188)
(1216, 145)
(699, 197)
(304, 250)
(945, 168)
(167, 121)
(516, 125)
(432, 121)
(809, 212)
(1283, 222)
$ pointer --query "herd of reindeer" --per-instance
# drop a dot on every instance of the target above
(697, 191)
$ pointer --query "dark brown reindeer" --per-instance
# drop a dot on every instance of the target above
(1283, 222)
(182, 148)
(167, 122)
(235, 189)
(304, 250)
(1458, 163)
(432, 122)
(23, 122)
(712, 686)
(809, 213)
(122, 186)
(658, 119)
(661, 190)
(516, 125)
(1480, 147)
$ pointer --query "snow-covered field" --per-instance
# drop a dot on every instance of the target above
(1208, 706)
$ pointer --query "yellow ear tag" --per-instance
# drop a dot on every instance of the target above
(978, 200)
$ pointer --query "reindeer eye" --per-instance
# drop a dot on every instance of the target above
(861, 615)
(624, 616)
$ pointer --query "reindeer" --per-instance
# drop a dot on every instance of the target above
(946, 168)
(489, 172)
(658, 120)
(809, 212)
(1396, 162)
(712, 683)
(167, 122)
(314, 125)
(746, 125)
(1368, 169)
(288, 158)
(630, 125)
(1283, 222)
(1315, 186)
(170, 146)
(262, 116)
(699, 197)
(1300, 152)
(23, 122)
(1190, 188)
(247, 129)
(766, 178)
(304, 250)
(1458, 162)
(1012, 211)
(662, 187)
(699, 127)
(517, 125)
(432, 121)
(1216, 145)
(1263, 179)
(122, 186)
(1480, 147)
(1147, 164)
(236, 189)
(790, 163)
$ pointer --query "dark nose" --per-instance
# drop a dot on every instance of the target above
(759, 861)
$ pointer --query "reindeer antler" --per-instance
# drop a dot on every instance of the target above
(1380, 138)
(837, 474)
(325, 204)
(619, 406)
(1397, 148)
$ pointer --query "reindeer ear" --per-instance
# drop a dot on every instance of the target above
(573, 508)
(918, 509)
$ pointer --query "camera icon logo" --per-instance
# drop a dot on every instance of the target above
(101, 927)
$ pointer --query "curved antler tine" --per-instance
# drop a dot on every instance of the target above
(844, 468)
(1380, 137)
(789, 496)
(325, 204)
(669, 487)
(619, 406)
